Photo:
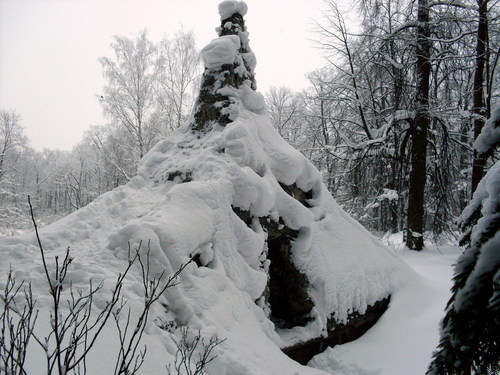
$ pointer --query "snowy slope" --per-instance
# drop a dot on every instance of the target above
(347, 267)
(403, 340)
(182, 203)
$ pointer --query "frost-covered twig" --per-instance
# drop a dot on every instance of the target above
(128, 361)
(74, 327)
(16, 326)
(186, 349)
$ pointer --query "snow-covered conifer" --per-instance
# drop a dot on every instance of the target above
(470, 333)
(489, 139)
(229, 65)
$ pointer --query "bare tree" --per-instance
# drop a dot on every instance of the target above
(129, 96)
(286, 111)
(16, 326)
(109, 142)
(399, 99)
(12, 140)
(179, 77)
(148, 94)
(193, 350)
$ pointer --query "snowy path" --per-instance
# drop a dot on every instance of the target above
(402, 342)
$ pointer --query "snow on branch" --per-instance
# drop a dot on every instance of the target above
(489, 139)
(402, 27)
(454, 3)
(455, 39)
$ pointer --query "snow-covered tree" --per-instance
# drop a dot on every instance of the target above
(13, 142)
(112, 143)
(371, 84)
(15, 168)
(470, 331)
(129, 96)
(148, 94)
(285, 109)
(181, 69)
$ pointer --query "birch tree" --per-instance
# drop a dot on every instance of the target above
(178, 79)
(148, 93)
(12, 140)
(129, 95)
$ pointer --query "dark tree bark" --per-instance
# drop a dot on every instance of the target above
(479, 108)
(418, 132)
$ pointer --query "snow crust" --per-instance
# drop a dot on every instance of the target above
(230, 7)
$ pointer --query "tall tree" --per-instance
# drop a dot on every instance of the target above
(12, 140)
(147, 95)
(418, 132)
(129, 95)
(399, 93)
(479, 105)
(14, 172)
(178, 78)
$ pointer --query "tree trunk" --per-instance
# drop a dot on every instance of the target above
(479, 109)
(418, 131)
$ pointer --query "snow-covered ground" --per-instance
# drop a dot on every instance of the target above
(400, 343)
(404, 338)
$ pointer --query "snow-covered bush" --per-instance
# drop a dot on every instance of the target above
(75, 322)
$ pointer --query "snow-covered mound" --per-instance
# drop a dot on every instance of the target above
(215, 193)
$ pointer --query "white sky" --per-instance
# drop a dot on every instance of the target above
(49, 49)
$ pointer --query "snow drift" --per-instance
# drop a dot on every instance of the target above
(225, 189)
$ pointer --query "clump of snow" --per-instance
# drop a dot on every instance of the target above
(490, 134)
(221, 51)
(244, 95)
(389, 194)
(239, 165)
(250, 60)
(230, 7)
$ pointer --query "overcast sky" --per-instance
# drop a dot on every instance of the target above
(49, 49)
